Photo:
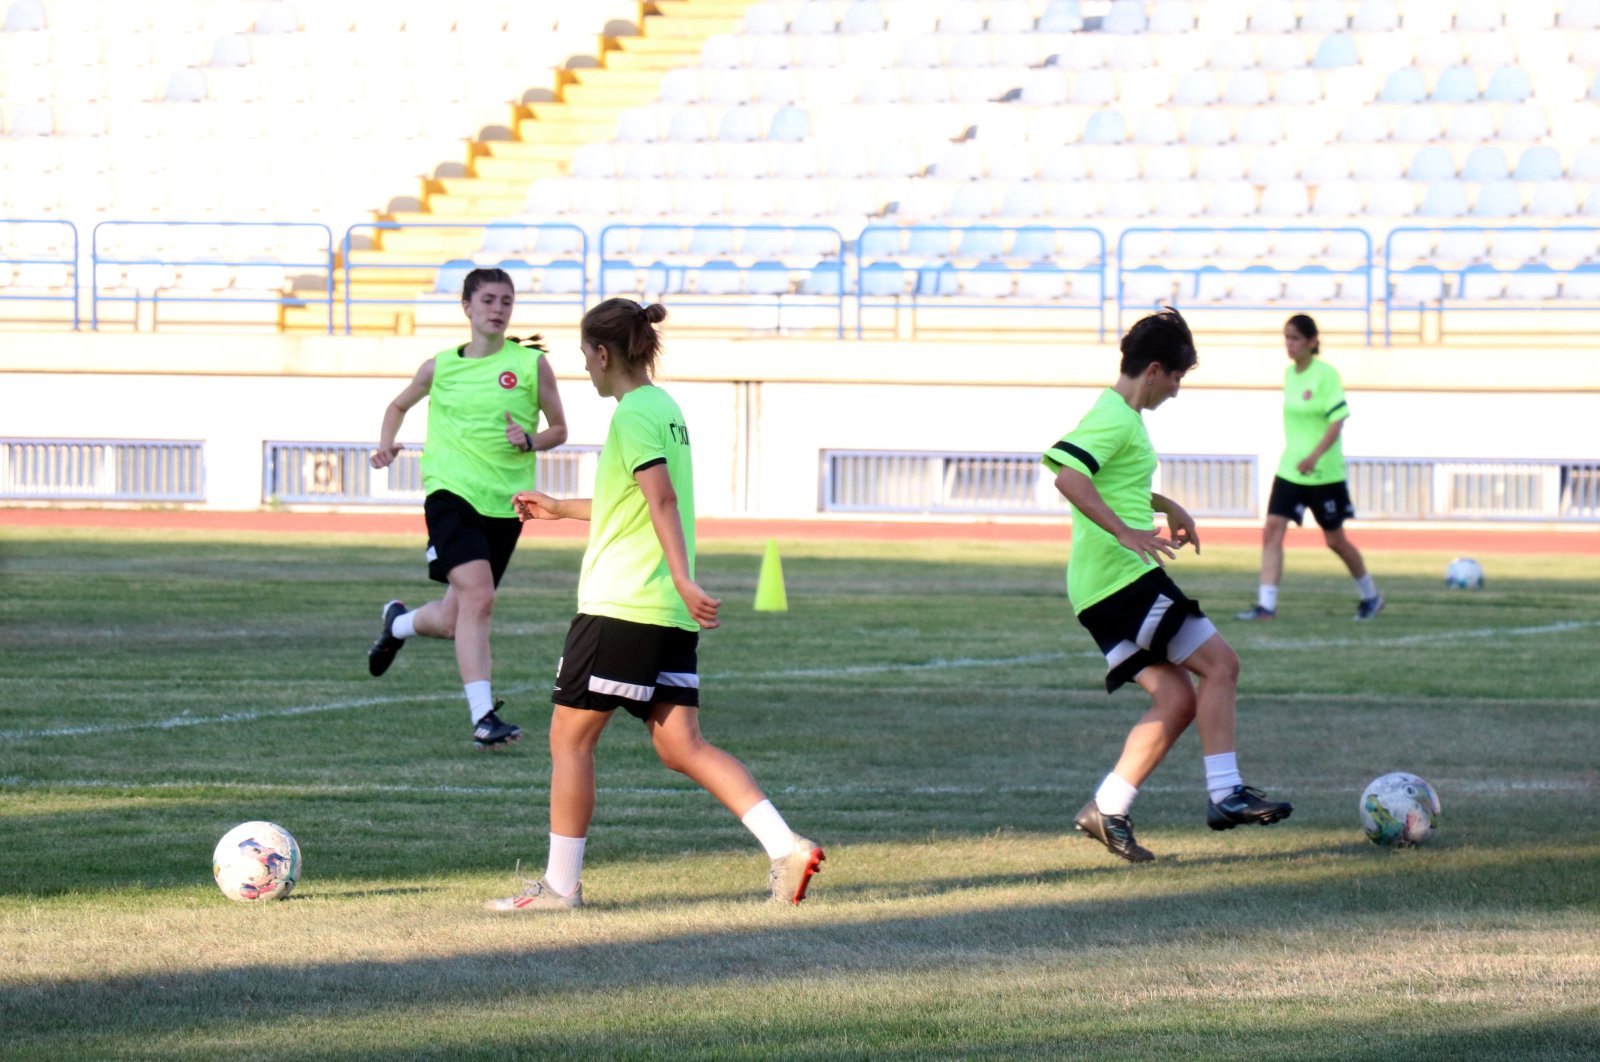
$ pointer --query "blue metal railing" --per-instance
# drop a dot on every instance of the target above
(996, 258)
(26, 258)
(757, 264)
(513, 256)
(1316, 267)
(158, 292)
(1456, 297)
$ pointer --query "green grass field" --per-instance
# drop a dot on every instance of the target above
(931, 713)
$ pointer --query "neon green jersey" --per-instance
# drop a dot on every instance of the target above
(625, 574)
(1111, 447)
(467, 452)
(1312, 400)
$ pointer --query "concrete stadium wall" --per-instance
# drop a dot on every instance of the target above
(760, 411)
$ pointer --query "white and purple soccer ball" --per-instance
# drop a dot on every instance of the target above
(256, 861)
(1464, 573)
(1399, 810)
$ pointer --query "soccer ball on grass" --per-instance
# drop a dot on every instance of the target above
(1399, 810)
(1464, 573)
(256, 861)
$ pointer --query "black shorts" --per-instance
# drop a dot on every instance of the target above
(613, 663)
(1329, 503)
(458, 533)
(1149, 621)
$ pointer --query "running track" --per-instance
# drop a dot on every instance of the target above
(1581, 540)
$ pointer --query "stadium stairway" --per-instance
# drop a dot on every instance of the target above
(539, 142)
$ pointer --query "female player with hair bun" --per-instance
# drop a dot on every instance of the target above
(485, 398)
(633, 644)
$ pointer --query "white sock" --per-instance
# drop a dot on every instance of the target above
(1115, 795)
(1267, 597)
(566, 863)
(404, 625)
(1366, 587)
(1222, 774)
(480, 702)
(774, 834)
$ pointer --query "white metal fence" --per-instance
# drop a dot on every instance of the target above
(102, 470)
(312, 473)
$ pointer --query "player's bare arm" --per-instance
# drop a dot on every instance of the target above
(537, 505)
(662, 498)
(395, 414)
(1079, 489)
(1329, 437)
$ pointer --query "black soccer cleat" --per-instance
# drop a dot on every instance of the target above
(1369, 607)
(383, 651)
(1113, 831)
(1244, 806)
(1256, 612)
(492, 732)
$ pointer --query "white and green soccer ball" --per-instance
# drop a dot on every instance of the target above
(1399, 810)
(256, 861)
(1464, 573)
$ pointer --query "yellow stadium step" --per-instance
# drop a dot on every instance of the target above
(525, 171)
(568, 133)
(657, 63)
(578, 114)
(525, 151)
(609, 97)
(604, 75)
(483, 187)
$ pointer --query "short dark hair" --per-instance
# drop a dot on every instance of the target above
(1162, 338)
(479, 277)
(1303, 324)
(627, 330)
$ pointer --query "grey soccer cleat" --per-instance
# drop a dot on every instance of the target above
(790, 874)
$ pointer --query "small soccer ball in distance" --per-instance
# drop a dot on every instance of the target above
(256, 861)
(1399, 810)
(1464, 573)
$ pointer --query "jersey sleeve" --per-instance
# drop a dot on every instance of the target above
(1088, 446)
(640, 438)
(1334, 407)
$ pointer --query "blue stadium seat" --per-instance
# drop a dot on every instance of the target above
(719, 277)
(1456, 84)
(981, 241)
(1404, 86)
(1420, 284)
(452, 275)
(790, 124)
(882, 279)
(1583, 283)
(1444, 199)
(862, 16)
(1033, 244)
(615, 277)
(825, 278)
(929, 242)
(740, 125)
(521, 274)
(879, 242)
(1498, 199)
(1432, 163)
(1105, 127)
(1125, 16)
(25, 16)
(563, 277)
(767, 277)
(1335, 51)
(1481, 282)
(1485, 163)
(990, 280)
(1066, 16)
(711, 240)
(1552, 199)
(1509, 84)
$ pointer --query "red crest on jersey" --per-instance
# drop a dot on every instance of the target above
(1304, 398)
(508, 380)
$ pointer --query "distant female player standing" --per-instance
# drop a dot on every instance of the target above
(485, 398)
(633, 644)
(1311, 474)
(1149, 631)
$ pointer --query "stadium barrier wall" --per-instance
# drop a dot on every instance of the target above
(765, 413)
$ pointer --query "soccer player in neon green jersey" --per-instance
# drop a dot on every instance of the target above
(485, 398)
(1149, 631)
(1311, 474)
(633, 644)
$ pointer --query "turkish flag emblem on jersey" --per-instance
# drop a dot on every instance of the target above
(508, 380)
(1304, 398)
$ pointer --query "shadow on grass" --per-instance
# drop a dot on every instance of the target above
(795, 947)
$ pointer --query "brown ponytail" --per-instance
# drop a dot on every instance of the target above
(628, 330)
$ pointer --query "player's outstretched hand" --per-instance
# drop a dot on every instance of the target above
(384, 456)
(536, 505)
(702, 606)
(1149, 545)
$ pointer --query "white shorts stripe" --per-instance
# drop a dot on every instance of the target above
(687, 680)
(1195, 632)
(1152, 619)
(1121, 652)
(632, 692)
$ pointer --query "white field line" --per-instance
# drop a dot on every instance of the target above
(1489, 786)
(937, 664)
